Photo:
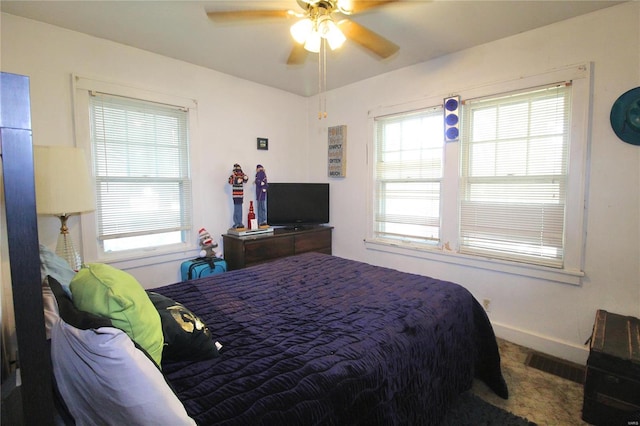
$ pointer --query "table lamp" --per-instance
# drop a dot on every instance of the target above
(63, 188)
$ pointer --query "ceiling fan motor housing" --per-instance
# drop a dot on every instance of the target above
(323, 7)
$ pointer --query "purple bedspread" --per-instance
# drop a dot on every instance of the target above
(317, 339)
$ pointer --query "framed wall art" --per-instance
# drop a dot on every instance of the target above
(263, 144)
(337, 166)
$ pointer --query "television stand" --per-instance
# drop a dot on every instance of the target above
(240, 252)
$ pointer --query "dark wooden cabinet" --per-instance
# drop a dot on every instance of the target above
(612, 382)
(240, 252)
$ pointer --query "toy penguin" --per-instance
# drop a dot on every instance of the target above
(261, 195)
(237, 180)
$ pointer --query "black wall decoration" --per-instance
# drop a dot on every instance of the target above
(451, 118)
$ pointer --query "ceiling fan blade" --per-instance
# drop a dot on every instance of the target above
(237, 15)
(368, 39)
(298, 55)
(360, 6)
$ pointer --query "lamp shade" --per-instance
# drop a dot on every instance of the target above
(334, 36)
(63, 183)
(313, 42)
(301, 30)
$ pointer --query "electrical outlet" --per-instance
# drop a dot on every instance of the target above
(486, 304)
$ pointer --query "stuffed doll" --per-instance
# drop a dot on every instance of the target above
(261, 195)
(207, 244)
(237, 180)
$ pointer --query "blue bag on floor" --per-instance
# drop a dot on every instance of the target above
(202, 267)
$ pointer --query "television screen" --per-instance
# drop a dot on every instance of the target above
(297, 204)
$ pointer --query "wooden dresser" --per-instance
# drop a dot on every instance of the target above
(240, 252)
(612, 382)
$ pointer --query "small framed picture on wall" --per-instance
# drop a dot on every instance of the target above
(263, 144)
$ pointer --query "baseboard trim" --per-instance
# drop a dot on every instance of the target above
(544, 344)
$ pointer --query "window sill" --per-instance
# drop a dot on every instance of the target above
(564, 276)
(140, 258)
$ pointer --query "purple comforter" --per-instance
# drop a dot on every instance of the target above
(317, 339)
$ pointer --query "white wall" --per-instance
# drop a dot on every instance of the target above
(556, 318)
(232, 113)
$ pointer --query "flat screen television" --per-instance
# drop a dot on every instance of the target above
(297, 205)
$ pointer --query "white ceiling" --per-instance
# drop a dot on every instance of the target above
(258, 50)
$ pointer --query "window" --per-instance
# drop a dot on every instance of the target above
(138, 143)
(408, 171)
(141, 167)
(509, 196)
(513, 181)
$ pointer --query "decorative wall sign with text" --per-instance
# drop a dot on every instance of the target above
(337, 151)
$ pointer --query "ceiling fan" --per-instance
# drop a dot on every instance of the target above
(319, 23)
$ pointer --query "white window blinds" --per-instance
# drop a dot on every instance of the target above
(141, 165)
(514, 175)
(407, 176)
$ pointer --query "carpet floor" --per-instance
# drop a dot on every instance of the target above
(541, 397)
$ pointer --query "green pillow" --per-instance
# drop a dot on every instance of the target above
(104, 290)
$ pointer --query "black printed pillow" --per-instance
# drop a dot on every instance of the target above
(186, 337)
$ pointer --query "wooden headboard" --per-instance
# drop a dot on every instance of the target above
(34, 361)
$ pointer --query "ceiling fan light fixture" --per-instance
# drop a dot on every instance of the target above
(334, 36)
(313, 42)
(324, 24)
(330, 31)
(301, 30)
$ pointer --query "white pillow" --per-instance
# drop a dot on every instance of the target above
(57, 267)
(105, 380)
(51, 313)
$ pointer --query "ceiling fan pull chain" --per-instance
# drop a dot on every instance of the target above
(320, 83)
(324, 76)
(322, 80)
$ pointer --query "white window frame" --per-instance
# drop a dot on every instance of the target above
(447, 251)
(419, 172)
(82, 86)
(538, 215)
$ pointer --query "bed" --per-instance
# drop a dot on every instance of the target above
(309, 339)
(318, 339)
